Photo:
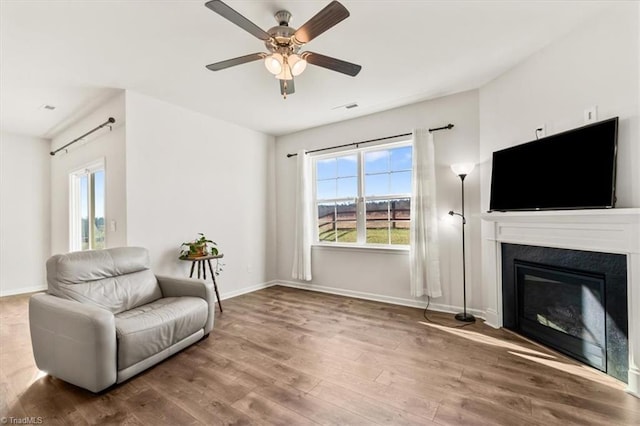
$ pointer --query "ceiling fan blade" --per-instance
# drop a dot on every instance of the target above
(332, 14)
(287, 87)
(228, 13)
(236, 61)
(332, 64)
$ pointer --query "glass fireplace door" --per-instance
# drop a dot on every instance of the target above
(564, 309)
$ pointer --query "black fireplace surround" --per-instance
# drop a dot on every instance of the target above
(573, 301)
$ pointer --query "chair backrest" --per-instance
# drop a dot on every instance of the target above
(116, 279)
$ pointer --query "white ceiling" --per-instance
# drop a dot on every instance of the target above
(74, 54)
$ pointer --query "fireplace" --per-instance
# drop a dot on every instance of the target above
(570, 300)
(564, 309)
(598, 231)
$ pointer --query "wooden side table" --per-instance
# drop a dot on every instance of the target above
(200, 262)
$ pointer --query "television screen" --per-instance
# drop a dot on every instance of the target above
(575, 169)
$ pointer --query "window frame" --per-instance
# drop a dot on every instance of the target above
(75, 215)
(360, 200)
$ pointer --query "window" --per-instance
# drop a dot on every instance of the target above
(364, 197)
(87, 213)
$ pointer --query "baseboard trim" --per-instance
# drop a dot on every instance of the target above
(438, 307)
(491, 318)
(633, 382)
(23, 290)
(379, 298)
(245, 290)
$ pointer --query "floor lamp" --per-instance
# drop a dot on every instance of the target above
(462, 170)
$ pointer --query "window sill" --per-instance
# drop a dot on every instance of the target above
(362, 248)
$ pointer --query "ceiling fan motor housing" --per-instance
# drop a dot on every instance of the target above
(282, 35)
(283, 17)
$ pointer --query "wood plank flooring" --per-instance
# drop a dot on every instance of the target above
(283, 356)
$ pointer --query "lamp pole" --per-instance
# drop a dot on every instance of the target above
(464, 317)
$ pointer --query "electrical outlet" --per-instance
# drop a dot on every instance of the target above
(541, 131)
(591, 114)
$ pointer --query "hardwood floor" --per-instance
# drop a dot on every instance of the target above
(293, 357)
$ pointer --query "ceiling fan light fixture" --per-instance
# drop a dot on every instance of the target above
(283, 43)
(297, 64)
(274, 63)
(285, 74)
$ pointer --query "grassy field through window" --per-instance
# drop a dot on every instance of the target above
(374, 236)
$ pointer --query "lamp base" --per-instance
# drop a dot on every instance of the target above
(465, 317)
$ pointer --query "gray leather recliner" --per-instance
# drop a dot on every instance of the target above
(106, 317)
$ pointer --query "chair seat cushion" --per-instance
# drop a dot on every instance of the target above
(148, 329)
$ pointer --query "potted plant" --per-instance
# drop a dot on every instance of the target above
(199, 247)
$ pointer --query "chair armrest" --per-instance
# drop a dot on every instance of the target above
(179, 287)
(73, 341)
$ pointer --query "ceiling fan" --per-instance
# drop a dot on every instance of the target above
(283, 42)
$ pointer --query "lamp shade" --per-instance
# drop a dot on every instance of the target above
(274, 63)
(297, 65)
(285, 74)
(462, 168)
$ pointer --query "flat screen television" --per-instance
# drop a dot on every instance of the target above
(575, 169)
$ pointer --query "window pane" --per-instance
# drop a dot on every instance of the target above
(400, 232)
(388, 221)
(377, 210)
(346, 222)
(326, 221)
(376, 184)
(400, 209)
(401, 158)
(327, 233)
(376, 161)
(347, 235)
(84, 212)
(326, 169)
(377, 231)
(347, 187)
(98, 226)
(348, 166)
(326, 189)
(326, 213)
(400, 183)
(377, 222)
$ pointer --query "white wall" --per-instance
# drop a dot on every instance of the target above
(25, 244)
(385, 275)
(106, 144)
(190, 173)
(596, 64)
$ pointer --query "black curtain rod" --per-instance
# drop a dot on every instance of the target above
(109, 121)
(447, 127)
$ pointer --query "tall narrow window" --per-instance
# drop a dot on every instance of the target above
(337, 192)
(87, 211)
(387, 188)
(364, 196)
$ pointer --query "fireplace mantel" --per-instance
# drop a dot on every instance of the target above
(600, 230)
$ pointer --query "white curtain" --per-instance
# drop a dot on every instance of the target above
(304, 220)
(424, 255)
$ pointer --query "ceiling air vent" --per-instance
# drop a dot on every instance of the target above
(346, 106)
